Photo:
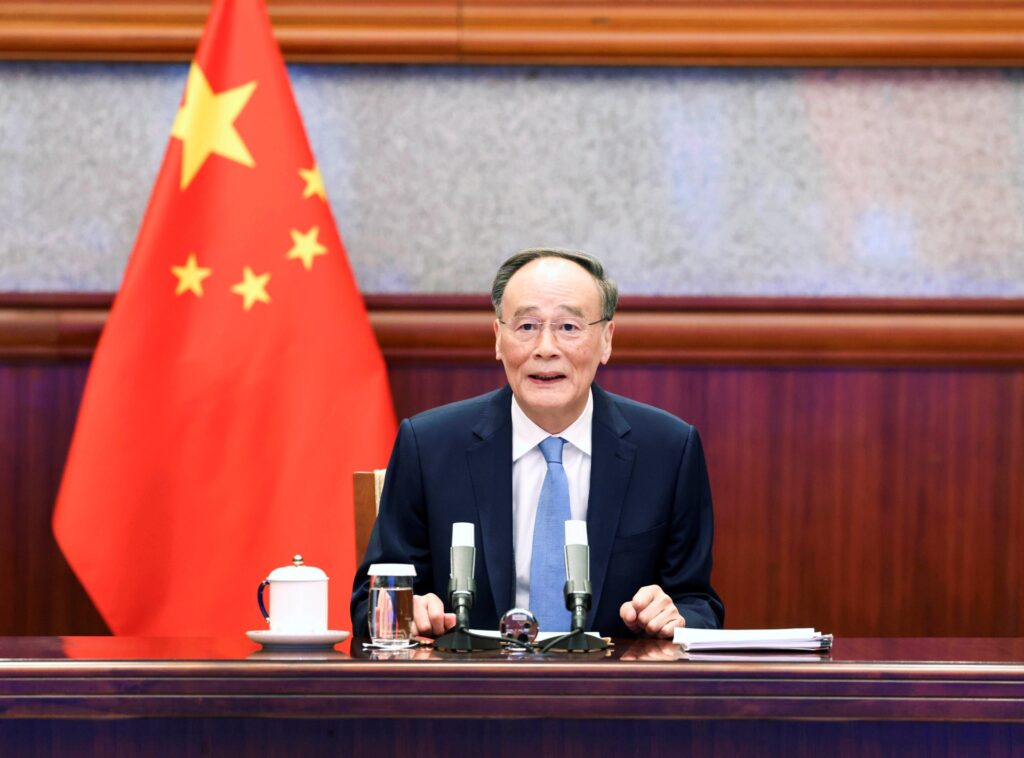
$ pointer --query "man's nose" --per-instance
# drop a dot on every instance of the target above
(546, 343)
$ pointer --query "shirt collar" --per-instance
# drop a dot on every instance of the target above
(526, 435)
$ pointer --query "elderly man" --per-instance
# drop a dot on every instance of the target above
(551, 446)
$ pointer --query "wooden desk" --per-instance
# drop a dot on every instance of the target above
(180, 697)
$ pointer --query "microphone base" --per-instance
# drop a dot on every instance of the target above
(580, 642)
(458, 641)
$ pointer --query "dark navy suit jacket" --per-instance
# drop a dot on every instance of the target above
(649, 517)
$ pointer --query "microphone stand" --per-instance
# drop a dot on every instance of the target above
(577, 597)
(459, 639)
(577, 601)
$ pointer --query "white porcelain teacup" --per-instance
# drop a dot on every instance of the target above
(298, 599)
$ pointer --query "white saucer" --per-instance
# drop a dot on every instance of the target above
(307, 641)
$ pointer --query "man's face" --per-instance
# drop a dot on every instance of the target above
(551, 376)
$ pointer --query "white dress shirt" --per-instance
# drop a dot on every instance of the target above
(528, 471)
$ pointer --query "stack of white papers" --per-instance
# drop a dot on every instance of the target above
(752, 639)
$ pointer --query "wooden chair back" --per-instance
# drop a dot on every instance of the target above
(366, 487)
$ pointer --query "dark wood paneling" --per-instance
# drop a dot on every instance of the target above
(150, 738)
(854, 499)
(900, 680)
(863, 497)
(38, 405)
(616, 32)
(218, 697)
(132, 697)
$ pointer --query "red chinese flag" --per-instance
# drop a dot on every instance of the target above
(238, 383)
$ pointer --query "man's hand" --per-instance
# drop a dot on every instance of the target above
(651, 612)
(429, 616)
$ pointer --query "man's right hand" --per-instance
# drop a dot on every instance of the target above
(429, 616)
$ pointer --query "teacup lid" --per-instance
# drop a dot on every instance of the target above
(297, 572)
(391, 569)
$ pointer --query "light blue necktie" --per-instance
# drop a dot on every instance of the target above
(547, 564)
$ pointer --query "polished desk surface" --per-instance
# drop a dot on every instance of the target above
(926, 679)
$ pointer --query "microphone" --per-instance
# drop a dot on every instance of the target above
(461, 593)
(461, 584)
(577, 573)
(577, 593)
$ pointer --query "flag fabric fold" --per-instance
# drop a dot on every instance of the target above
(238, 383)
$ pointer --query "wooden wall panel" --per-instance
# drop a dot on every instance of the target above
(869, 502)
(742, 32)
(616, 32)
(573, 738)
(38, 405)
(872, 502)
(370, 31)
(874, 497)
(701, 331)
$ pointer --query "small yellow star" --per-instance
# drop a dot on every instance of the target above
(252, 288)
(206, 124)
(190, 276)
(306, 247)
(314, 183)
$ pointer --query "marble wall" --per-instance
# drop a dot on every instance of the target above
(686, 181)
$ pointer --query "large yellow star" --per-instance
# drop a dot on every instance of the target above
(190, 276)
(306, 247)
(314, 183)
(252, 288)
(206, 124)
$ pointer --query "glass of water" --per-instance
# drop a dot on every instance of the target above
(391, 621)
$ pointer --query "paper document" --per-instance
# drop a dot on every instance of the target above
(756, 656)
(805, 638)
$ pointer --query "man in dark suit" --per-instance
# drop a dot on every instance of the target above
(635, 474)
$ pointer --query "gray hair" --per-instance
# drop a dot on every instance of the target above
(608, 289)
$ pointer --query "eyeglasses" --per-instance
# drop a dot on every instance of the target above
(564, 330)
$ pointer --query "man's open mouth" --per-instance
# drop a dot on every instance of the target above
(547, 377)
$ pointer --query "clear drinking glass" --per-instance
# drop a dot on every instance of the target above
(391, 622)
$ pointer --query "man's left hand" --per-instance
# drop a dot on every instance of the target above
(651, 613)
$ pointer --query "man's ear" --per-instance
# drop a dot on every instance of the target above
(606, 340)
(497, 340)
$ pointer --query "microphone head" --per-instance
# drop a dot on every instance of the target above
(577, 565)
(576, 533)
(462, 534)
(461, 584)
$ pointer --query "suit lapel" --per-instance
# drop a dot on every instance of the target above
(610, 469)
(490, 466)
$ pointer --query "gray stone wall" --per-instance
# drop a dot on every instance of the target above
(685, 181)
